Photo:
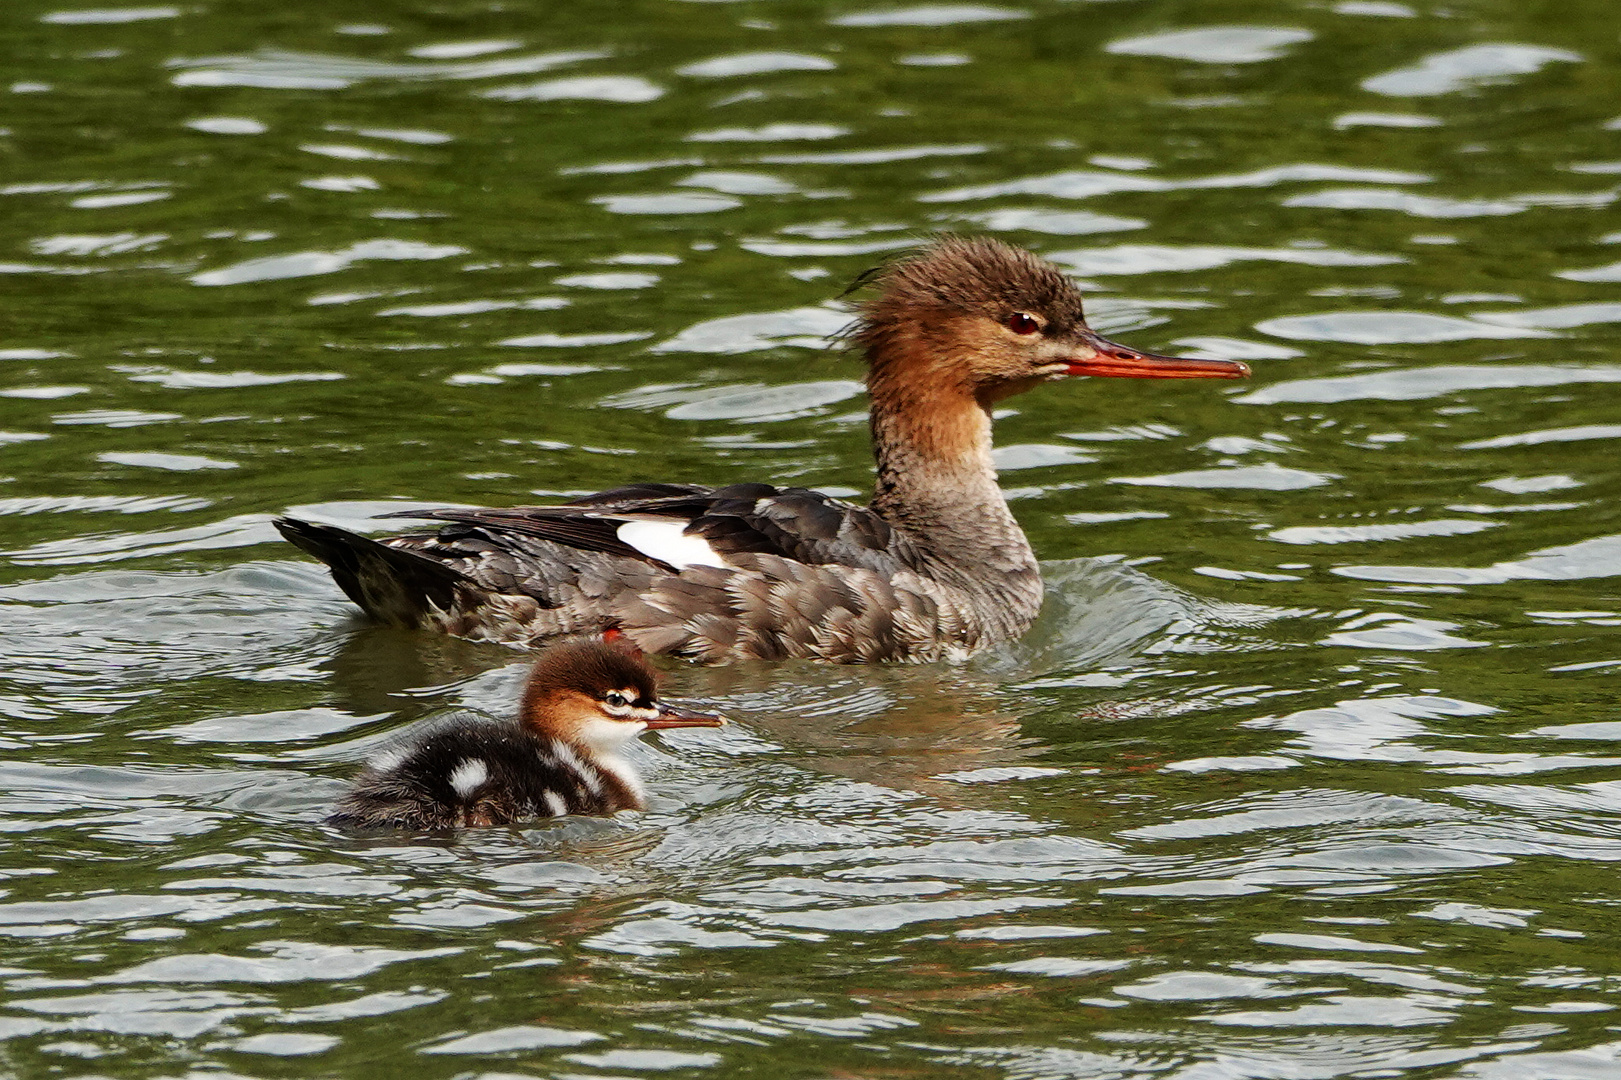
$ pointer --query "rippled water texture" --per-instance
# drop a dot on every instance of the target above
(1308, 770)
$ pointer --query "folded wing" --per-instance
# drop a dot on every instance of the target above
(672, 526)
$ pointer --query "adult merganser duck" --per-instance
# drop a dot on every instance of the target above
(584, 701)
(935, 567)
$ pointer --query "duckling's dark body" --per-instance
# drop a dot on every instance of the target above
(582, 703)
(477, 772)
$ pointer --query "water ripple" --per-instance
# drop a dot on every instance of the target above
(1215, 44)
(1460, 69)
(283, 69)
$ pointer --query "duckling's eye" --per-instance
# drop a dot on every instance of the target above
(616, 700)
(1021, 322)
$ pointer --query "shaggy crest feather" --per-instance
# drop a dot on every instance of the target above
(959, 275)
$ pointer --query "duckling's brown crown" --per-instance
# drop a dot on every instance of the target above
(587, 668)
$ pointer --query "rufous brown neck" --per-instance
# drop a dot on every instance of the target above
(931, 434)
(932, 447)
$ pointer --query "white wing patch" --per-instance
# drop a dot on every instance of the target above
(468, 775)
(665, 541)
(554, 802)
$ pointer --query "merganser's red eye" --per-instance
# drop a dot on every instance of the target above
(1021, 323)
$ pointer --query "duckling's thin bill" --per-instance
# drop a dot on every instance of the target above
(674, 716)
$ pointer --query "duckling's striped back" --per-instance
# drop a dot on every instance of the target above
(472, 772)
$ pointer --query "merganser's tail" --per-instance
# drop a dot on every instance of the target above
(393, 585)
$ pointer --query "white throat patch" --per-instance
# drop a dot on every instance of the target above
(603, 737)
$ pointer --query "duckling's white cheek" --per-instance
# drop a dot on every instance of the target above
(607, 736)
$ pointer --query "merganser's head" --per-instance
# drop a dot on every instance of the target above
(599, 697)
(993, 320)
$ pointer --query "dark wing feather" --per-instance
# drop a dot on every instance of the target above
(793, 523)
(558, 524)
(642, 495)
(589, 523)
(803, 525)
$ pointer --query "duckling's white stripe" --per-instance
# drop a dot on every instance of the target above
(554, 802)
(665, 541)
(583, 773)
(468, 775)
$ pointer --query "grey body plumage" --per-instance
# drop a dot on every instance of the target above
(934, 568)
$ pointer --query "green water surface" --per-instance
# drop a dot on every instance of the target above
(1307, 771)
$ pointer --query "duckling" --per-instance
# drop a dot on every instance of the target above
(583, 702)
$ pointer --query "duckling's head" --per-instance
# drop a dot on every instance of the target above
(982, 318)
(599, 697)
